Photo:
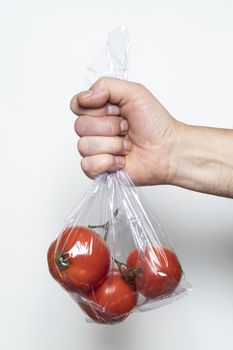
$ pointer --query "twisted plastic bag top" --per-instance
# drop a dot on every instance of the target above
(113, 59)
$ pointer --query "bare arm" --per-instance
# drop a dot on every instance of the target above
(203, 160)
(154, 147)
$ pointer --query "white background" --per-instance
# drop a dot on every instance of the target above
(182, 51)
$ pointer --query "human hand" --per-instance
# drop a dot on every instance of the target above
(121, 124)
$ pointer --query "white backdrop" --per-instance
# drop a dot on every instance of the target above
(182, 51)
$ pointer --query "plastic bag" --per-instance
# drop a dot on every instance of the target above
(111, 254)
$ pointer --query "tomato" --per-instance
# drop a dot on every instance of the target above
(79, 259)
(93, 311)
(115, 295)
(159, 271)
(111, 301)
(99, 315)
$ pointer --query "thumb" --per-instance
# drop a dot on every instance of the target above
(107, 90)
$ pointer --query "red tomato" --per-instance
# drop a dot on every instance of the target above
(79, 259)
(115, 295)
(112, 300)
(159, 271)
(97, 314)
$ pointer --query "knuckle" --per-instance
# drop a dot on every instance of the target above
(93, 166)
(103, 164)
(73, 104)
(103, 82)
(99, 82)
(110, 161)
(119, 145)
(83, 146)
(111, 125)
(79, 126)
(85, 166)
(111, 128)
(117, 125)
(139, 86)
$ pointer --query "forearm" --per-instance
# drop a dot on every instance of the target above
(203, 160)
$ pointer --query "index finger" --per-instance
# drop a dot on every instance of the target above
(107, 109)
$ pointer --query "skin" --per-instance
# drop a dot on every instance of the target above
(121, 124)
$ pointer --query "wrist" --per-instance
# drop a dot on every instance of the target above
(184, 158)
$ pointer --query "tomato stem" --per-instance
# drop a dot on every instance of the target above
(105, 226)
(62, 260)
(129, 274)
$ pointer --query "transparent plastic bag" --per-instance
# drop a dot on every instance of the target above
(111, 254)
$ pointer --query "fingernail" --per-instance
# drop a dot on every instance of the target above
(127, 145)
(124, 126)
(120, 161)
(86, 94)
(113, 110)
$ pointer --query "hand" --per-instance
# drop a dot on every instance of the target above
(121, 124)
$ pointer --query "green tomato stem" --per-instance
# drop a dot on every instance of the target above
(129, 274)
(104, 226)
